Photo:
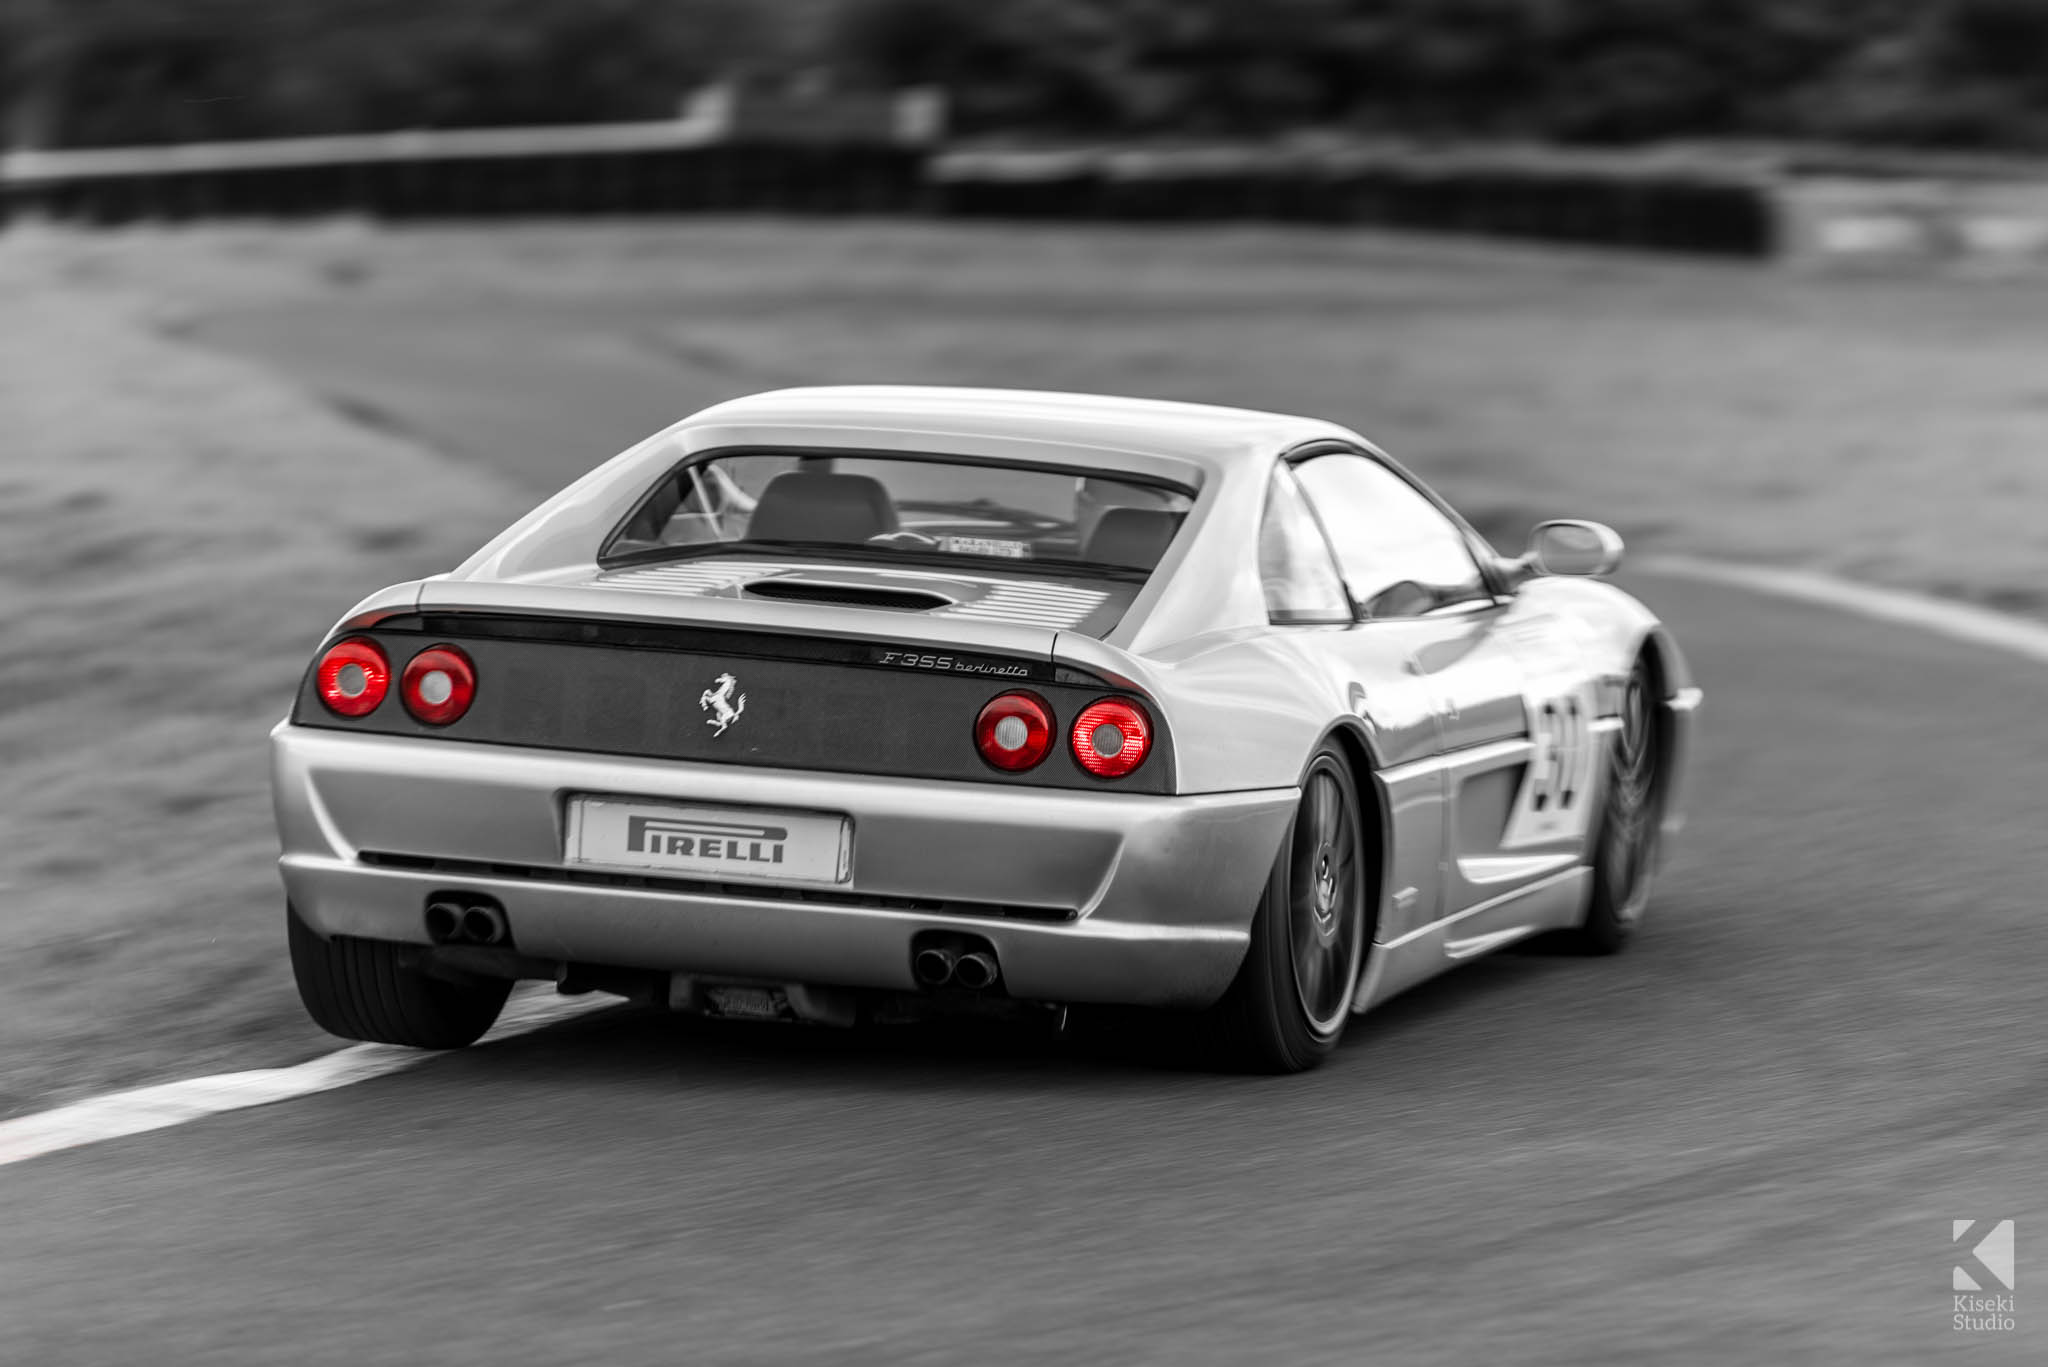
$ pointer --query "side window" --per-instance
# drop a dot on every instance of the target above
(1401, 557)
(1300, 581)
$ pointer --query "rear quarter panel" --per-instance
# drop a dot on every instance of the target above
(1248, 704)
(1247, 707)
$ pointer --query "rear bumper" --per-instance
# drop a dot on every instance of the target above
(1086, 897)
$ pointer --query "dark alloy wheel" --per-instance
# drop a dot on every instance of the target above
(1625, 854)
(1292, 996)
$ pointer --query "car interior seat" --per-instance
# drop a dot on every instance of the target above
(804, 505)
(1133, 538)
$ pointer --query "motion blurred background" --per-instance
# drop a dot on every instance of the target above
(1745, 127)
(306, 297)
(1963, 73)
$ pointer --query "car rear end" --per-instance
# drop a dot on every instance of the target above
(775, 785)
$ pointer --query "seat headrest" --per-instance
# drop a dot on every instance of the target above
(1133, 538)
(803, 505)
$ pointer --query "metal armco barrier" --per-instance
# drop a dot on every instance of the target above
(731, 152)
(1563, 196)
(725, 152)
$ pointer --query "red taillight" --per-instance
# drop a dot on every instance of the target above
(1111, 737)
(353, 677)
(1014, 731)
(438, 685)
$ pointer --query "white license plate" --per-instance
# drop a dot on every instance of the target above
(722, 843)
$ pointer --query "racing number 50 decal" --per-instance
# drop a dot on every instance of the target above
(1556, 799)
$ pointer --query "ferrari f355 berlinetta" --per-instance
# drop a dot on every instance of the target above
(828, 704)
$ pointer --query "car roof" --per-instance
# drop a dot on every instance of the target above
(1209, 437)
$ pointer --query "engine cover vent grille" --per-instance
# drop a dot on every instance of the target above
(848, 595)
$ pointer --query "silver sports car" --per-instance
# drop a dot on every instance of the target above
(862, 703)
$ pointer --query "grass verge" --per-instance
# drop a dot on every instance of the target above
(176, 530)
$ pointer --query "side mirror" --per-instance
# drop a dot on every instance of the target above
(1572, 547)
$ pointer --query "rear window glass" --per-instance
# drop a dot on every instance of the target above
(911, 506)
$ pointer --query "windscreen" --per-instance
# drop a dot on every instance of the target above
(907, 507)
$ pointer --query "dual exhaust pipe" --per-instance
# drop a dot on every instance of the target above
(467, 921)
(959, 962)
(941, 966)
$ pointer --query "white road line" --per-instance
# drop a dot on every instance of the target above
(174, 1103)
(1942, 616)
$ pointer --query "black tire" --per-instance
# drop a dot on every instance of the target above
(360, 989)
(1625, 852)
(1291, 999)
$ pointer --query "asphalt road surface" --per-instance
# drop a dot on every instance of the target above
(1742, 1141)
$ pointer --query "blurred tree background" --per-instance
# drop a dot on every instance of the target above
(1935, 72)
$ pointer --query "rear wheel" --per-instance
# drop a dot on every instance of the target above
(1625, 854)
(1292, 996)
(363, 989)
